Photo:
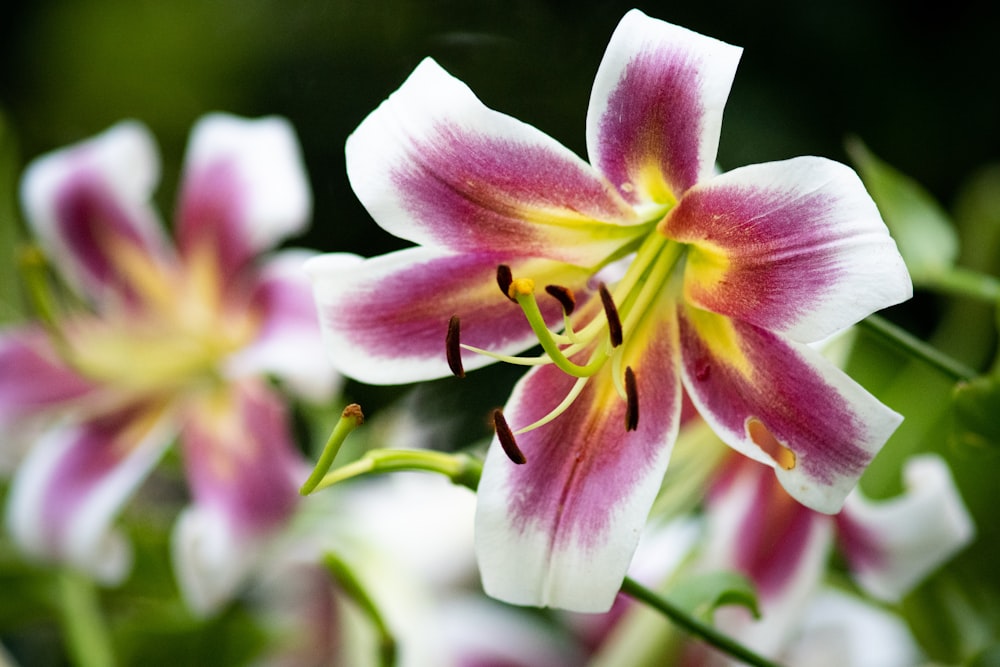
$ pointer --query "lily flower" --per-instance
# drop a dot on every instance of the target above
(660, 274)
(163, 341)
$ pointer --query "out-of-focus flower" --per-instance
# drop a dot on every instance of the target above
(726, 278)
(165, 340)
(890, 546)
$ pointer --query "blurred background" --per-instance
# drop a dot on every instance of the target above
(918, 84)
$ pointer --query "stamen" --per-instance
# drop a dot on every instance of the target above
(763, 438)
(453, 347)
(632, 400)
(564, 296)
(611, 312)
(504, 279)
(506, 438)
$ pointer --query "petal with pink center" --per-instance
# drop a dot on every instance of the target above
(239, 456)
(783, 404)
(435, 166)
(76, 479)
(797, 247)
(656, 108)
(89, 204)
(385, 319)
(892, 545)
(33, 379)
(245, 188)
(560, 530)
(289, 343)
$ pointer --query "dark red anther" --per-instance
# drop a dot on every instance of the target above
(504, 279)
(631, 400)
(452, 347)
(506, 438)
(611, 312)
(564, 296)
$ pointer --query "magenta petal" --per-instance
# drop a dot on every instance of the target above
(560, 529)
(90, 203)
(797, 247)
(240, 458)
(435, 166)
(783, 404)
(656, 108)
(32, 377)
(386, 319)
(75, 480)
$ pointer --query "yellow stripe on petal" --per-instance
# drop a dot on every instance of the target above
(720, 336)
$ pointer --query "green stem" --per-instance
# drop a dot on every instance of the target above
(706, 632)
(83, 622)
(917, 348)
(354, 589)
(961, 281)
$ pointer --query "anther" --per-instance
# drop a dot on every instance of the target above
(564, 296)
(453, 348)
(611, 312)
(763, 438)
(504, 279)
(506, 438)
(631, 400)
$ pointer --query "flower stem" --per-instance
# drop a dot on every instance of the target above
(917, 348)
(960, 281)
(354, 589)
(706, 632)
(350, 419)
(83, 622)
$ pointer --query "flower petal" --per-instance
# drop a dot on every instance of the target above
(656, 108)
(385, 319)
(797, 247)
(783, 404)
(32, 377)
(289, 341)
(74, 482)
(239, 456)
(560, 530)
(892, 545)
(245, 188)
(435, 166)
(90, 203)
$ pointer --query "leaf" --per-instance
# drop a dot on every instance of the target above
(976, 405)
(924, 233)
(700, 595)
(11, 306)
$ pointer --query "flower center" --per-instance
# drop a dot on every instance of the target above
(593, 336)
(177, 332)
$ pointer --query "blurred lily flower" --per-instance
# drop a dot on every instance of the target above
(890, 546)
(165, 340)
(721, 281)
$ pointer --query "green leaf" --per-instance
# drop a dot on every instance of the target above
(11, 306)
(976, 406)
(924, 233)
(700, 595)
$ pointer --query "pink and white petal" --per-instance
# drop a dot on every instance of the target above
(385, 319)
(656, 108)
(560, 530)
(91, 202)
(755, 528)
(239, 456)
(75, 481)
(245, 189)
(783, 404)
(289, 341)
(797, 247)
(892, 545)
(33, 379)
(434, 165)
(212, 560)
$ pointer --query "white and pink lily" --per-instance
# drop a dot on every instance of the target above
(712, 283)
(889, 546)
(166, 341)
